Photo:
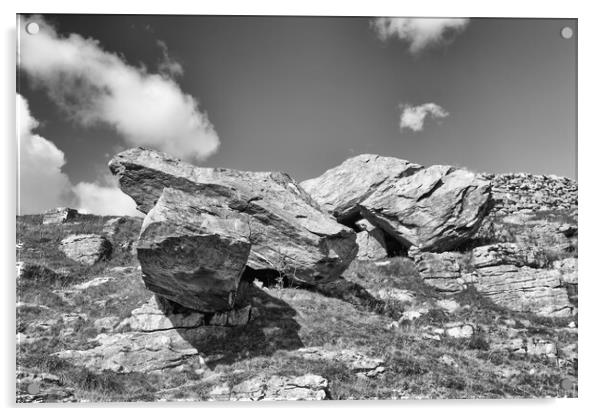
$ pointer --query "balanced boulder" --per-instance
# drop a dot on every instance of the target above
(288, 231)
(193, 250)
(433, 209)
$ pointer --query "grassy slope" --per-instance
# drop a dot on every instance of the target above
(312, 319)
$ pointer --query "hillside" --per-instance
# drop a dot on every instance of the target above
(405, 324)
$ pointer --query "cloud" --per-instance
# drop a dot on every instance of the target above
(42, 184)
(168, 65)
(93, 85)
(413, 117)
(419, 33)
(95, 198)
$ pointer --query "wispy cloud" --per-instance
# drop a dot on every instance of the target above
(93, 85)
(412, 117)
(419, 33)
(168, 66)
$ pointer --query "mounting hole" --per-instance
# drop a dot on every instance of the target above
(566, 32)
(32, 28)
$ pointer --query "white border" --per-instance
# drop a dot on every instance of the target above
(590, 71)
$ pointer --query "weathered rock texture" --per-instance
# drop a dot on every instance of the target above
(524, 289)
(516, 192)
(193, 250)
(370, 241)
(434, 209)
(288, 231)
(306, 387)
(87, 249)
(136, 352)
(59, 215)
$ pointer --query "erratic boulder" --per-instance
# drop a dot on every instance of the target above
(87, 249)
(288, 231)
(434, 208)
(193, 250)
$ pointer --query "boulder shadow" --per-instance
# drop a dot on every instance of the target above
(272, 327)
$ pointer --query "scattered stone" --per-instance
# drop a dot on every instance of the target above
(530, 346)
(87, 249)
(449, 305)
(307, 387)
(31, 306)
(59, 215)
(72, 319)
(447, 360)
(395, 294)
(356, 361)
(106, 324)
(435, 208)
(459, 330)
(97, 281)
(136, 352)
(41, 388)
(508, 253)
(33, 271)
(288, 230)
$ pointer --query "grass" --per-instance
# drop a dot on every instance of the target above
(347, 316)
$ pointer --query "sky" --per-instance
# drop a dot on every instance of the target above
(293, 94)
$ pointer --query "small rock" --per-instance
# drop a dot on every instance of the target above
(106, 324)
(59, 215)
(449, 305)
(459, 330)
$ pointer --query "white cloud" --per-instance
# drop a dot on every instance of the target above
(42, 184)
(419, 33)
(93, 85)
(97, 199)
(413, 117)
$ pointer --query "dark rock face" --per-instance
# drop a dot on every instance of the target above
(288, 231)
(433, 209)
(193, 250)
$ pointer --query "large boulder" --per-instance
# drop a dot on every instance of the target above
(289, 232)
(433, 209)
(193, 250)
(86, 249)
